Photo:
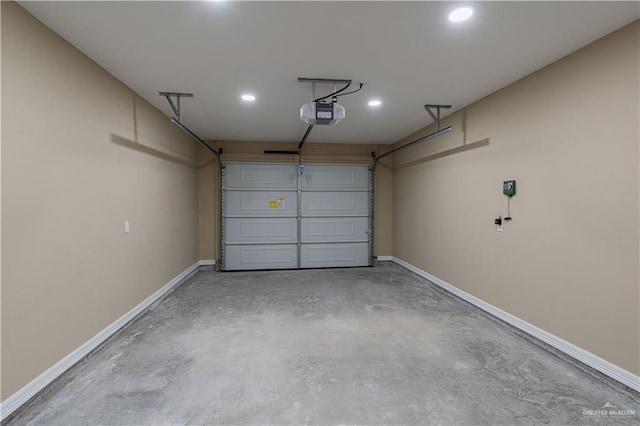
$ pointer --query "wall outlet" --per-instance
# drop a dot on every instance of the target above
(127, 227)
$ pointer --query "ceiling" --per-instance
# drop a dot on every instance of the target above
(407, 54)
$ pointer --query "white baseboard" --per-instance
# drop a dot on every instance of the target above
(384, 258)
(13, 402)
(605, 367)
(207, 262)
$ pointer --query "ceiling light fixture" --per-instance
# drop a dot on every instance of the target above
(461, 14)
(248, 98)
(375, 103)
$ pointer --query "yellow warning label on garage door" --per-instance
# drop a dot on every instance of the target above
(276, 204)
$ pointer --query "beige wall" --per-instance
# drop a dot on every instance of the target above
(81, 153)
(240, 151)
(569, 261)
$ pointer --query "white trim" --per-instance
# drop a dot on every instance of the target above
(13, 402)
(207, 262)
(384, 258)
(605, 367)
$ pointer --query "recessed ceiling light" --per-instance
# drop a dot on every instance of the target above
(375, 103)
(248, 98)
(461, 14)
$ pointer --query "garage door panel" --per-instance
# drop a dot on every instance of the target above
(260, 176)
(261, 203)
(335, 203)
(275, 218)
(284, 256)
(333, 255)
(335, 177)
(343, 229)
(261, 230)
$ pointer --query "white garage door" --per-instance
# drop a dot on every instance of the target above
(275, 218)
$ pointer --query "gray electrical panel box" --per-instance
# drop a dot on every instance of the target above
(509, 188)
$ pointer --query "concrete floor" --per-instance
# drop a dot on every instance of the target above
(343, 346)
